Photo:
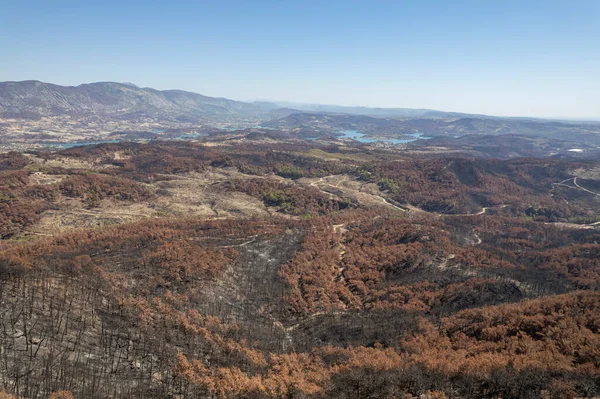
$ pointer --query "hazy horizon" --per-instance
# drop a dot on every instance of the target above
(539, 59)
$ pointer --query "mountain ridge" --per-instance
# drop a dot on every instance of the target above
(35, 99)
(113, 101)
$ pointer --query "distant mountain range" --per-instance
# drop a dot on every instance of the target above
(308, 123)
(406, 113)
(107, 101)
(375, 112)
(33, 99)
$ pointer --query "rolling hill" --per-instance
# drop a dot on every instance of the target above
(332, 123)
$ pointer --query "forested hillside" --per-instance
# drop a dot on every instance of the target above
(296, 270)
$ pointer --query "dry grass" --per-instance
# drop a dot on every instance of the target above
(590, 173)
(73, 216)
(338, 156)
(189, 195)
(343, 186)
(66, 162)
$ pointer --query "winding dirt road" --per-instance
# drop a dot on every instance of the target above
(575, 185)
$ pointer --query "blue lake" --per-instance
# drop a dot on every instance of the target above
(355, 135)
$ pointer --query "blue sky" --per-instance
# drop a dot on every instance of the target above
(528, 57)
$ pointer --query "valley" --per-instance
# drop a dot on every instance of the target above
(299, 200)
(165, 244)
